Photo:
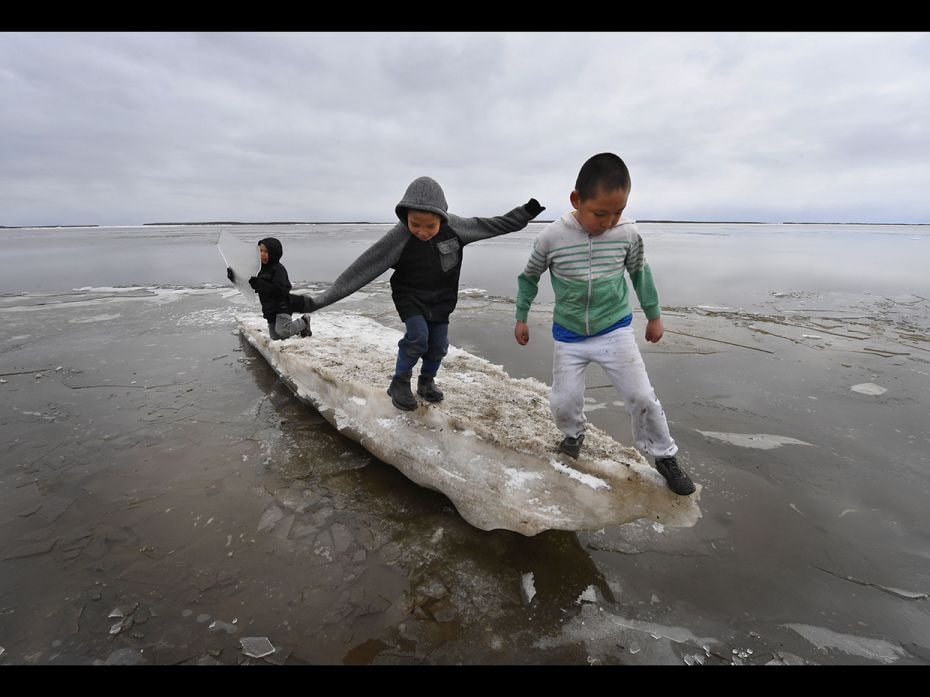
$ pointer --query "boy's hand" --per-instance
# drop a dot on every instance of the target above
(230, 275)
(521, 332)
(533, 207)
(654, 330)
(301, 303)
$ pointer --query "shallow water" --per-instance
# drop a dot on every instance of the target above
(163, 495)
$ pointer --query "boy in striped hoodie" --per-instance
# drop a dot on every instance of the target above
(587, 252)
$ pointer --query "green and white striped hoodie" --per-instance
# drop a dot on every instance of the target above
(587, 275)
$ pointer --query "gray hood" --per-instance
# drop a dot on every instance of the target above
(423, 194)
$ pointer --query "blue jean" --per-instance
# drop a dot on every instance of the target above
(426, 340)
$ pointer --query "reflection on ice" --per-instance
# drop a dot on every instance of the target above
(760, 441)
(124, 657)
(588, 595)
(873, 649)
(602, 632)
(529, 590)
(94, 318)
(220, 626)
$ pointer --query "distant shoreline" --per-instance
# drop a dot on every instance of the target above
(372, 222)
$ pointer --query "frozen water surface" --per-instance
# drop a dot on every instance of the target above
(166, 470)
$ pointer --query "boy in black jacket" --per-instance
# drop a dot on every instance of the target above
(273, 287)
(425, 251)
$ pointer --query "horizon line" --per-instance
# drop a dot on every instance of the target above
(375, 222)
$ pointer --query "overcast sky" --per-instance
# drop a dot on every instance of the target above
(129, 128)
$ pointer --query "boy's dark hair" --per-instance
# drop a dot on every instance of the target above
(604, 171)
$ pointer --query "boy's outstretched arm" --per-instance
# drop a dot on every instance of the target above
(474, 229)
(370, 264)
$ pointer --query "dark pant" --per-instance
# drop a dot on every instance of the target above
(284, 327)
(429, 340)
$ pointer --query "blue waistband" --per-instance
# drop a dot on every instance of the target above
(560, 333)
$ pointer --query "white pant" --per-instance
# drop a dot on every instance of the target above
(618, 354)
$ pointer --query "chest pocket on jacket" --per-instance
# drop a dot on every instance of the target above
(449, 254)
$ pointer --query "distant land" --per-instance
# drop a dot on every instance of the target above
(710, 222)
(390, 222)
(757, 222)
(40, 227)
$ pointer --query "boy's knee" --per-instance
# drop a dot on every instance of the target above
(644, 402)
(436, 352)
(562, 405)
(284, 327)
(419, 343)
(414, 343)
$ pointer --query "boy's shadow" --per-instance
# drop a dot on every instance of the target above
(562, 568)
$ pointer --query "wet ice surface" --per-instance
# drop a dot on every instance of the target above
(457, 446)
(164, 497)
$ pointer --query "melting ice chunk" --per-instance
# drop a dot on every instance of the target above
(256, 647)
(869, 388)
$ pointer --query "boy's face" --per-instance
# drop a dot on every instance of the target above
(600, 213)
(423, 224)
(263, 253)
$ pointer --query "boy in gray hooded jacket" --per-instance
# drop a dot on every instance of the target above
(425, 250)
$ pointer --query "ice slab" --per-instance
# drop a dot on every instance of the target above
(489, 445)
(869, 388)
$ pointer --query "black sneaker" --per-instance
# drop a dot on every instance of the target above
(401, 396)
(306, 332)
(678, 481)
(427, 389)
(571, 446)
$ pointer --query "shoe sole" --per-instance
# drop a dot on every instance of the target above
(429, 399)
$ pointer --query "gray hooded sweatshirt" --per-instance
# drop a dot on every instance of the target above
(423, 194)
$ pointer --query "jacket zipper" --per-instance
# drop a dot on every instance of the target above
(587, 307)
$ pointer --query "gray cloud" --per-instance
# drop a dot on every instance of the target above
(126, 128)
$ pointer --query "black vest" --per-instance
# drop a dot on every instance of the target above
(426, 277)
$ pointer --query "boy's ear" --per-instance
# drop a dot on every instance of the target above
(575, 198)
